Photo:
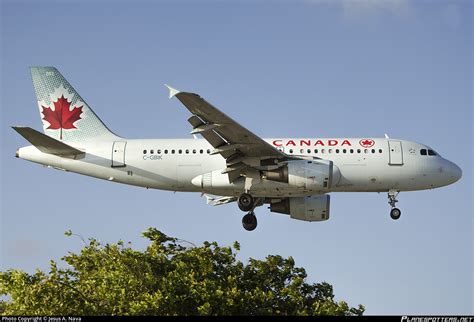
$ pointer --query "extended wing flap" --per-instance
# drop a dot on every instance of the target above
(215, 121)
(229, 139)
(212, 137)
(47, 144)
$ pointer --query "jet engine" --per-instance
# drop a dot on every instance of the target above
(318, 175)
(312, 208)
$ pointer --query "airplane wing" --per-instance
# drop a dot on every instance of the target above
(230, 139)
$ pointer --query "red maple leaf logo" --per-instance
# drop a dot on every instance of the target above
(62, 117)
(367, 143)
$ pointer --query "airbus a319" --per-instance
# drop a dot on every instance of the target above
(294, 176)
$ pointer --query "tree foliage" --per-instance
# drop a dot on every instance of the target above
(167, 278)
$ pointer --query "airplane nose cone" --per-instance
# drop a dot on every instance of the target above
(454, 171)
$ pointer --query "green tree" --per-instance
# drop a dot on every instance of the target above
(167, 278)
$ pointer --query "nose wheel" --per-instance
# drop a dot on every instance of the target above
(395, 213)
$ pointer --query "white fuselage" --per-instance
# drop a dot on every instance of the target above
(172, 164)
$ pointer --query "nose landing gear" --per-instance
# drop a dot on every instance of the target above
(395, 213)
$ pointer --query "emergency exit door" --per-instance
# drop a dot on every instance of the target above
(118, 154)
(395, 153)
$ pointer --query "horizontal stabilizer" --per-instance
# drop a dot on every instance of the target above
(47, 144)
(217, 201)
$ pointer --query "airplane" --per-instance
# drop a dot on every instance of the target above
(293, 176)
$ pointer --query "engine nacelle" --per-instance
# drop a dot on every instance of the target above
(312, 208)
(318, 175)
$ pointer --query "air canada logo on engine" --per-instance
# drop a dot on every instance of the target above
(367, 143)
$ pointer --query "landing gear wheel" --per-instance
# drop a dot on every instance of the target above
(249, 221)
(395, 213)
(392, 200)
(245, 202)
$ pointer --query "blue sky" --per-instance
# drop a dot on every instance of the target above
(303, 69)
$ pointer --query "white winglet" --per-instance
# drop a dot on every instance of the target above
(173, 91)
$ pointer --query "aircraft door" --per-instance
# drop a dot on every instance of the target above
(395, 153)
(118, 154)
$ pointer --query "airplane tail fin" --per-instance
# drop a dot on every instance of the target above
(65, 115)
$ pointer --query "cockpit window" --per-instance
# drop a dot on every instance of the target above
(428, 152)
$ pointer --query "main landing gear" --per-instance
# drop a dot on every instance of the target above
(247, 203)
(249, 221)
(395, 213)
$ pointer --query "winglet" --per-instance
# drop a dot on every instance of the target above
(173, 91)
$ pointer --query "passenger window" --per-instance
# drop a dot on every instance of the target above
(208, 151)
(308, 151)
(166, 151)
(172, 151)
(344, 151)
(194, 151)
(187, 151)
(352, 150)
(337, 150)
(151, 151)
(380, 150)
(201, 151)
(180, 151)
(431, 152)
(323, 150)
(373, 150)
(158, 151)
(330, 151)
(291, 150)
(358, 150)
(315, 150)
(144, 151)
(423, 151)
